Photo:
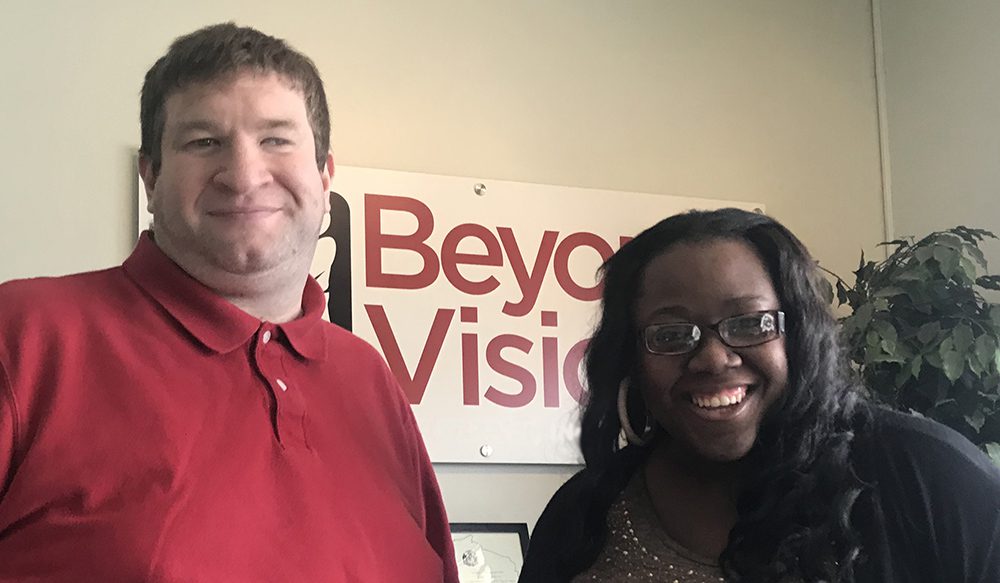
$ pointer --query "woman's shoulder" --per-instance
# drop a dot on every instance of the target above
(914, 447)
(581, 486)
(599, 486)
(573, 501)
(572, 527)
(932, 506)
(904, 431)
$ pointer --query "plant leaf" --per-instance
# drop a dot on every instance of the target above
(967, 269)
(989, 282)
(902, 376)
(923, 254)
(888, 292)
(841, 293)
(993, 450)
(986, 350)
(962, 337)
(873, 340)
(991, 397)
(974, 364)
(977, 254)
(976, 420)
(863, 316)
(861, 263)
(885, 330)
(928, 332)
(880, 358)
(948, 260)
(947, 345)
(953, 365)
(949, 240)
(972, 235)
(978, 234)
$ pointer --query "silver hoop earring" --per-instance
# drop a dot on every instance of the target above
(630, 433)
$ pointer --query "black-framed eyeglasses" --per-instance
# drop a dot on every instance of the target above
(735, 332)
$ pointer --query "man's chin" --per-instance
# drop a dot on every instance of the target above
(248, 254)
(246, 261)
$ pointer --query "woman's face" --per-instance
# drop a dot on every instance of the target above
(704, 283)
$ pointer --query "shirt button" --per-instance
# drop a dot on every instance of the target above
(267, 336)
(281, 384)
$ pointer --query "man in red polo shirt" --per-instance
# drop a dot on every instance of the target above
(189, 416)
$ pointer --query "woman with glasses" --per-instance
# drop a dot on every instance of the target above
(725, 439)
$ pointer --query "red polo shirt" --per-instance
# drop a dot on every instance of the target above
(152, 431)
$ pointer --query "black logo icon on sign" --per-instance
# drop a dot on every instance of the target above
(339, 283)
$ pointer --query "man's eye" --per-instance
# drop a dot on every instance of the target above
(203, 143)
(276, 141)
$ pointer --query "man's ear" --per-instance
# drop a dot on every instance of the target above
(326, 174)
(148, 179)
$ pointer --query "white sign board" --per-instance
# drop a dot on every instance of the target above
(481, 295)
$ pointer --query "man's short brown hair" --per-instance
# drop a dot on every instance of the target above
(219, 51)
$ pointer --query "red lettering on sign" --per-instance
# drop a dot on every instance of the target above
(470, 359)
(561, 264)
(416, 384)
(451, 258)
(529, 284)
(376, 241)
(501, 365)
(529, 281)
(550, 362)
(571, 369)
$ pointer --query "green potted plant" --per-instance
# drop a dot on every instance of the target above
(922, 336)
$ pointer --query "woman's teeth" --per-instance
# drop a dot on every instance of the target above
(720, 399)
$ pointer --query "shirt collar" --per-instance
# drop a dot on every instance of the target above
(305, 333)
(211, 319)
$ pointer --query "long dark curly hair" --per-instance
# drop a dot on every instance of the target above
(795, 504)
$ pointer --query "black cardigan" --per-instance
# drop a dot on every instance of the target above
(932, 515)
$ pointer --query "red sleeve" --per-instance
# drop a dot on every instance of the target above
(436, 527)
(8, 431)
(424, 498)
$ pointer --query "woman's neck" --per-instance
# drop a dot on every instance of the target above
(694, 498)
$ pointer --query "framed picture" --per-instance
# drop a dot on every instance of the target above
(489, 552)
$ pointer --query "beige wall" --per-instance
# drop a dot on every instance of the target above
(943, 101)
(770, 101)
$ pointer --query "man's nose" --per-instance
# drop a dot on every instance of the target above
(244, 167)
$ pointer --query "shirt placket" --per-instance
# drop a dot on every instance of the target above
(271, 355)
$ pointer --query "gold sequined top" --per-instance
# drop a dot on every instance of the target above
(638, 549)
